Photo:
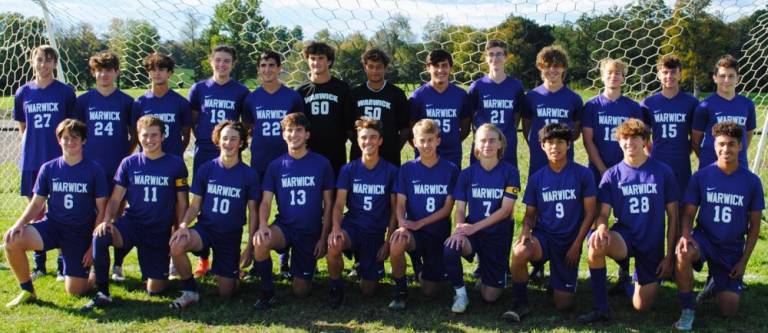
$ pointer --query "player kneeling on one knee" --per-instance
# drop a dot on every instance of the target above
(638, 190)
(222, 189)
(75, 191)
(487, 189)
(424, 190)
(365, 187)
(560, 207)
(728, 200)
(302, 182)
(154, 184)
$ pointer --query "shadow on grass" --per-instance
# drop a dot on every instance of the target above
(422, 314)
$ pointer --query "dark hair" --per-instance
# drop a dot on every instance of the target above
(158, 61)
(48, 52)
(319, 48)
(728, 128)
(375, 55)
(633, 127)
(295, 119)
(669, 61)
(496, 43)
(74, 127)
(727, 61)
(104, 60)
(368, 123)
(552, 55)
(226, 49)
(437, 56)
(266, 55)
(235, 125)
(554, 131)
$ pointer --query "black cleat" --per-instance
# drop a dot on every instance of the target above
(98, 301)
(265, 302)
(516, 314)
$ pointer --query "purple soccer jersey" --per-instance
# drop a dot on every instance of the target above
(447, 109)
(298, 186)
(151, 189)
(108, 119)
(173, 109)
(559, 199)
(715, 109)
(264, 111)
(639, 197)
(426, 190)
(42, 109)
(368, 194)
(484, 190)
(498, 104)
(225, 193)
(603, 116)
(72, 191)
(725, 202)
(216, 103)
(670, 120)
(545, 107)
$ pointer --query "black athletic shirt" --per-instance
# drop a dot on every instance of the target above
(324, 105)
(388, 105)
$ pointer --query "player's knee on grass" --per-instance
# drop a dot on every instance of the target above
(368, 287)
(728, 302)
(563, 300)
(156, 286)
(301, 287)
(227, 286)
(490, 294)
(76, 286)
(644, 296)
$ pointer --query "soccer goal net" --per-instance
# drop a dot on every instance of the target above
(638, 31)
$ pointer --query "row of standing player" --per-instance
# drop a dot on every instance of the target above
(552, 62)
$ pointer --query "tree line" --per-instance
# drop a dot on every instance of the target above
(637, 33)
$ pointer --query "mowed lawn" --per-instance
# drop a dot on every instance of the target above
(135, 311)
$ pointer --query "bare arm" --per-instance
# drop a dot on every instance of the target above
(464, 129)
(529, 222)
(527, 128)
(672, 227)
(182, 202)
(33, 210)
(576, 130)
(590, 210)
(185, 136)
(696, 138)
(193, 210)
(400, 210)
(22, 128)
(114, 203)
(504, 212)
(440, 214)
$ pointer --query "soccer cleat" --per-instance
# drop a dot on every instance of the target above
(186, 299)
(284, 275)
(117, 274)
(265, 301)
(38, 273)
(516, 314)
(60, 276)
(707, 293)
(399, 302)
(98, 301)
(353, 273)
(594, 317)
(620, 288)
(202, 268)
(460, 303)
(24, 297)
(685, 323)
(336, 297)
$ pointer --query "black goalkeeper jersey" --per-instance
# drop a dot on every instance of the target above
(325, 107)
(388, 105)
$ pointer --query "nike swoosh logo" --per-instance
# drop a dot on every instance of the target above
(601, 112)
(711, 188)
(137, 172)
(208, 96)
(545, 188)
(357, 180)
(91, 108)
(259, 107)
(429, 105)
(212, 181)
(55, 179)
(486, 96)
(475, 184)
(415, 181)
(717, 113)
(285, 175)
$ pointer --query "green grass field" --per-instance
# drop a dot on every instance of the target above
(56, 312)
